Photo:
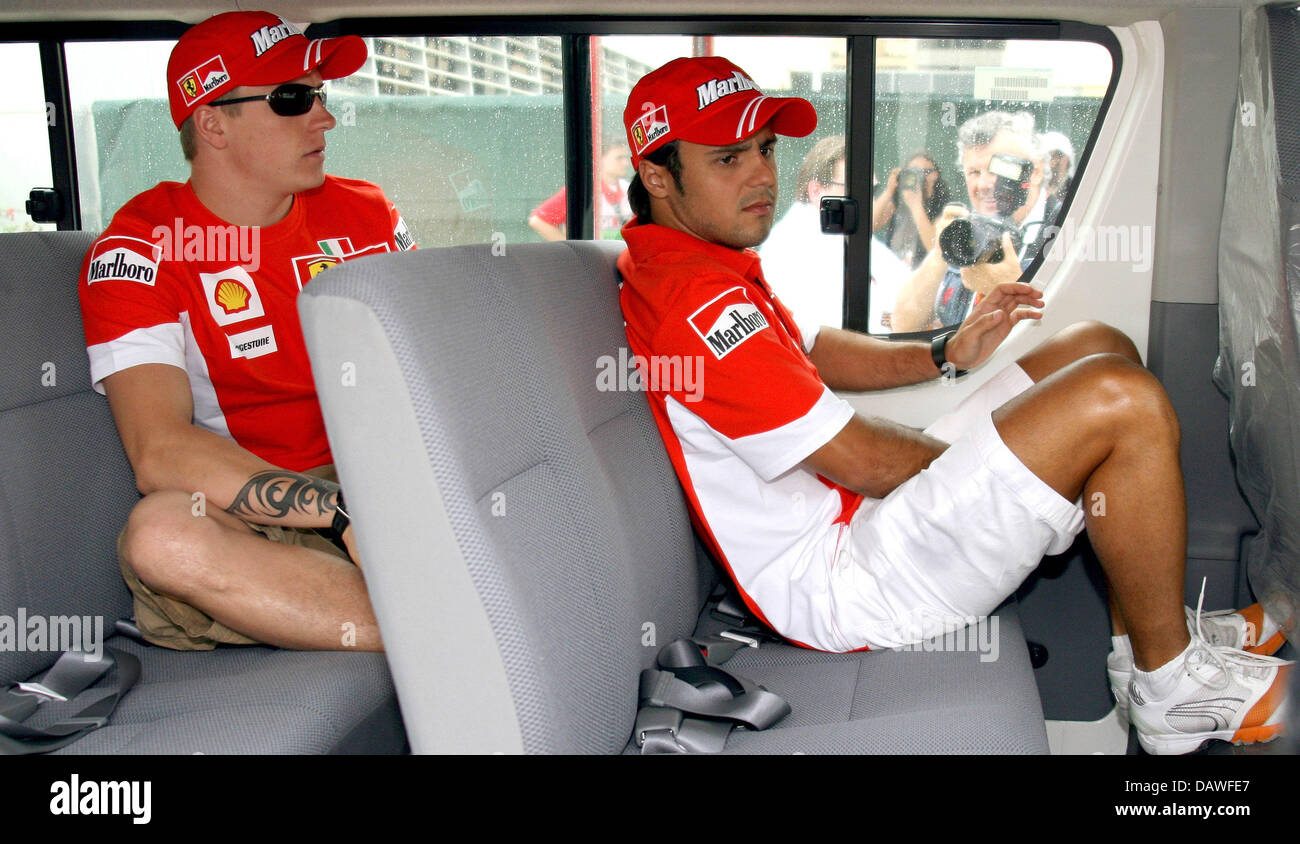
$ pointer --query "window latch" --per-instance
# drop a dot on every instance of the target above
(44, 205)
(839, 215)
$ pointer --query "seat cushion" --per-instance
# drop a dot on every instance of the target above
(899, 701)
(246, 700)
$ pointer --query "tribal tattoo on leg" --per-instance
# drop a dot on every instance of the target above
(280, 493)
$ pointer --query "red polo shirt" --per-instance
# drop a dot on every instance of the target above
(739, 406)
(169, 282)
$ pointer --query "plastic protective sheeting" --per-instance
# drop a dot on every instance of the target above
(1259, 303)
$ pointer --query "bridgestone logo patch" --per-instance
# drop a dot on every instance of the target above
(253, 344)
(727, 321)
(268, 36)
(121, 258)
(715, 89)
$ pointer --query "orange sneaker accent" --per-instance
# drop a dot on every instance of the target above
(1253, 735)
(1254, 615)
(1268, 704)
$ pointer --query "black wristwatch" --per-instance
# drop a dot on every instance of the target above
(939, 354)
(340, 524)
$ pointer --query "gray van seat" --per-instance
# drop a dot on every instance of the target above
(65, 491)
(528, 548)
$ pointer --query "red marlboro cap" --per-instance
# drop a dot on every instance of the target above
(706, 100)
(250, 48)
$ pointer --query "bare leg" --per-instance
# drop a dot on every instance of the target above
(1074, 343)
(1064, 348)
(1102, 427)
(287, 596)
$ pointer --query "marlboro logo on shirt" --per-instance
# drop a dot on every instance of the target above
(121, 258)
(727, 321)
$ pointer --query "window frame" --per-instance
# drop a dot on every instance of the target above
(575, 31)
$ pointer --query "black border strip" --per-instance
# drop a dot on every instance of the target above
(860, 127)
(576, 53)
(688, 25)
(115, 30)
(164, 30)
(63, 153)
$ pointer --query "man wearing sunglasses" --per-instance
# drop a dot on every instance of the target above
(189, 307)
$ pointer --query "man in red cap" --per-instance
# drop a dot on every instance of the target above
(188, 303)
(843, 532)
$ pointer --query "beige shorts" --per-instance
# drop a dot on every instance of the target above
(174, 624)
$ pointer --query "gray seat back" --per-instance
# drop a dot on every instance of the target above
(524, 538)
(65, 484)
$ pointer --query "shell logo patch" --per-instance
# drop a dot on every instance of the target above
(232, 296)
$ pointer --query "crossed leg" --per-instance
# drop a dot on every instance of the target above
(283, 595)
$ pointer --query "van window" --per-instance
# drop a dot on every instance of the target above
(804, 267)
(124, 136)
(464, 134)
(480, 123)
(24, 122)
(996, 126)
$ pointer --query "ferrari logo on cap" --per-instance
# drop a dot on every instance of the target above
(203, 80)
(650, 127)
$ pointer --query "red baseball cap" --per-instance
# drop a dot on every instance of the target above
(250, 48)
(706, 100)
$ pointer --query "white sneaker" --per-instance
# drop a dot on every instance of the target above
(1249, 629)
(1222, 693)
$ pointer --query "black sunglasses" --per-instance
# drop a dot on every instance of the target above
(289, 100)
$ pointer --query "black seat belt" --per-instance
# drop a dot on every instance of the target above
(72, 674)
(686, 685)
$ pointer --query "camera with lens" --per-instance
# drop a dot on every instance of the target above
(977, 238)
(910, 178)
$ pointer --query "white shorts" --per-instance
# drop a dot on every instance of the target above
(952, 542)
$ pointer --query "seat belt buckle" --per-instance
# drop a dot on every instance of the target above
(38, 689)
(92, 721)
(737, 636)
(657, 719)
